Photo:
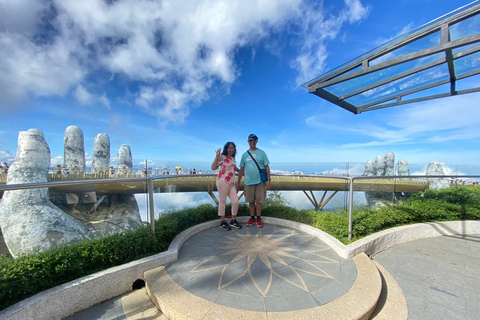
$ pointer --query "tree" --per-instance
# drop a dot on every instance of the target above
(275, 198)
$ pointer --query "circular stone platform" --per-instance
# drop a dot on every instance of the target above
(274, 269)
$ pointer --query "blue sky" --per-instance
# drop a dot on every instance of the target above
(175, 80)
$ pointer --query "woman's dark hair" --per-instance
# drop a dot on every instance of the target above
(225, 149)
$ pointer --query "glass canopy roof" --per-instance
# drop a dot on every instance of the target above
(438, 59)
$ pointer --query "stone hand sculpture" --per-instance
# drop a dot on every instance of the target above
(74, 150)
(124, 159)
(384, 166)
(101, 154)
(30, 222)
(435, 168)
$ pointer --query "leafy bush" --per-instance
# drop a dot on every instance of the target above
(275, 198)
(432, 205)
(288, 213)
(460, 195)
(31, 274)
(334, 223)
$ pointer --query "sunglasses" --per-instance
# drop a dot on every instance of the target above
(252, 140)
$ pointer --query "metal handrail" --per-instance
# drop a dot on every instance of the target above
(150, 188)
(352, 179)
(148, 180)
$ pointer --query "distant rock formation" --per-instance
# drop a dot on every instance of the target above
(124, 159)
(435, 168)
(101, 153)
(30, 221)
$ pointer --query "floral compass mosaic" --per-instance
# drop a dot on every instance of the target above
(275, 268)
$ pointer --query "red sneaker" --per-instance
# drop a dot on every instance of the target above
(251, 222)
(259, 223)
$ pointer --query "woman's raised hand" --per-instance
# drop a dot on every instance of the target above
(218, 152)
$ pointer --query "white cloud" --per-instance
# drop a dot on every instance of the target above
(435, 121)
(82, 95)
(173, 51)
(87, 98)
(56, 160)
(104, 100)
(456, 118)
(355, 11)
(6, 156)
(165, 202)
(317, 27)
(30, 68)
(20, 16)
(442, 114)
(297, 199)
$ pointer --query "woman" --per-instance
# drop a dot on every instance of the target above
(226, 184)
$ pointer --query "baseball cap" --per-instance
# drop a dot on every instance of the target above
(253, 136)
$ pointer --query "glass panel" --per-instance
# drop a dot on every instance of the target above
(420, 44)
(465, 28)
(396, 87)
(458, 30)
(380, 75)
(353, 70)
(467, 63)
(384, 103)
(444, 88)
(110, 207)
(460, 49)
(468, 83)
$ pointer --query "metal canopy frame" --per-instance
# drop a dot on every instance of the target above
(432, 61)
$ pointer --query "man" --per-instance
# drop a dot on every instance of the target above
(255, 189)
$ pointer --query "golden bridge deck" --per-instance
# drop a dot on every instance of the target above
(206, 183)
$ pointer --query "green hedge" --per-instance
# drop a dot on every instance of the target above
(31, 274)
(461, 203)
(28, 275)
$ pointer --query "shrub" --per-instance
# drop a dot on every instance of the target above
(334, 223)
(31, 274)
(459, 195)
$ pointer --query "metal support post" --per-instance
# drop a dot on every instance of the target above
(151, 204)
(350, 211)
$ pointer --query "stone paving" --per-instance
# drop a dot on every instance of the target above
(130, 306)
(440, 277)
(275, 268)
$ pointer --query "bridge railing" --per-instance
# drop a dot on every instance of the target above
(58, 190)
(376, 188)
(382, 190)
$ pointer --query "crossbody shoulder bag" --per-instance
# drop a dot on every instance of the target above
(263, 172)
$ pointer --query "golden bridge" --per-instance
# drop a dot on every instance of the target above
(134, 184)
